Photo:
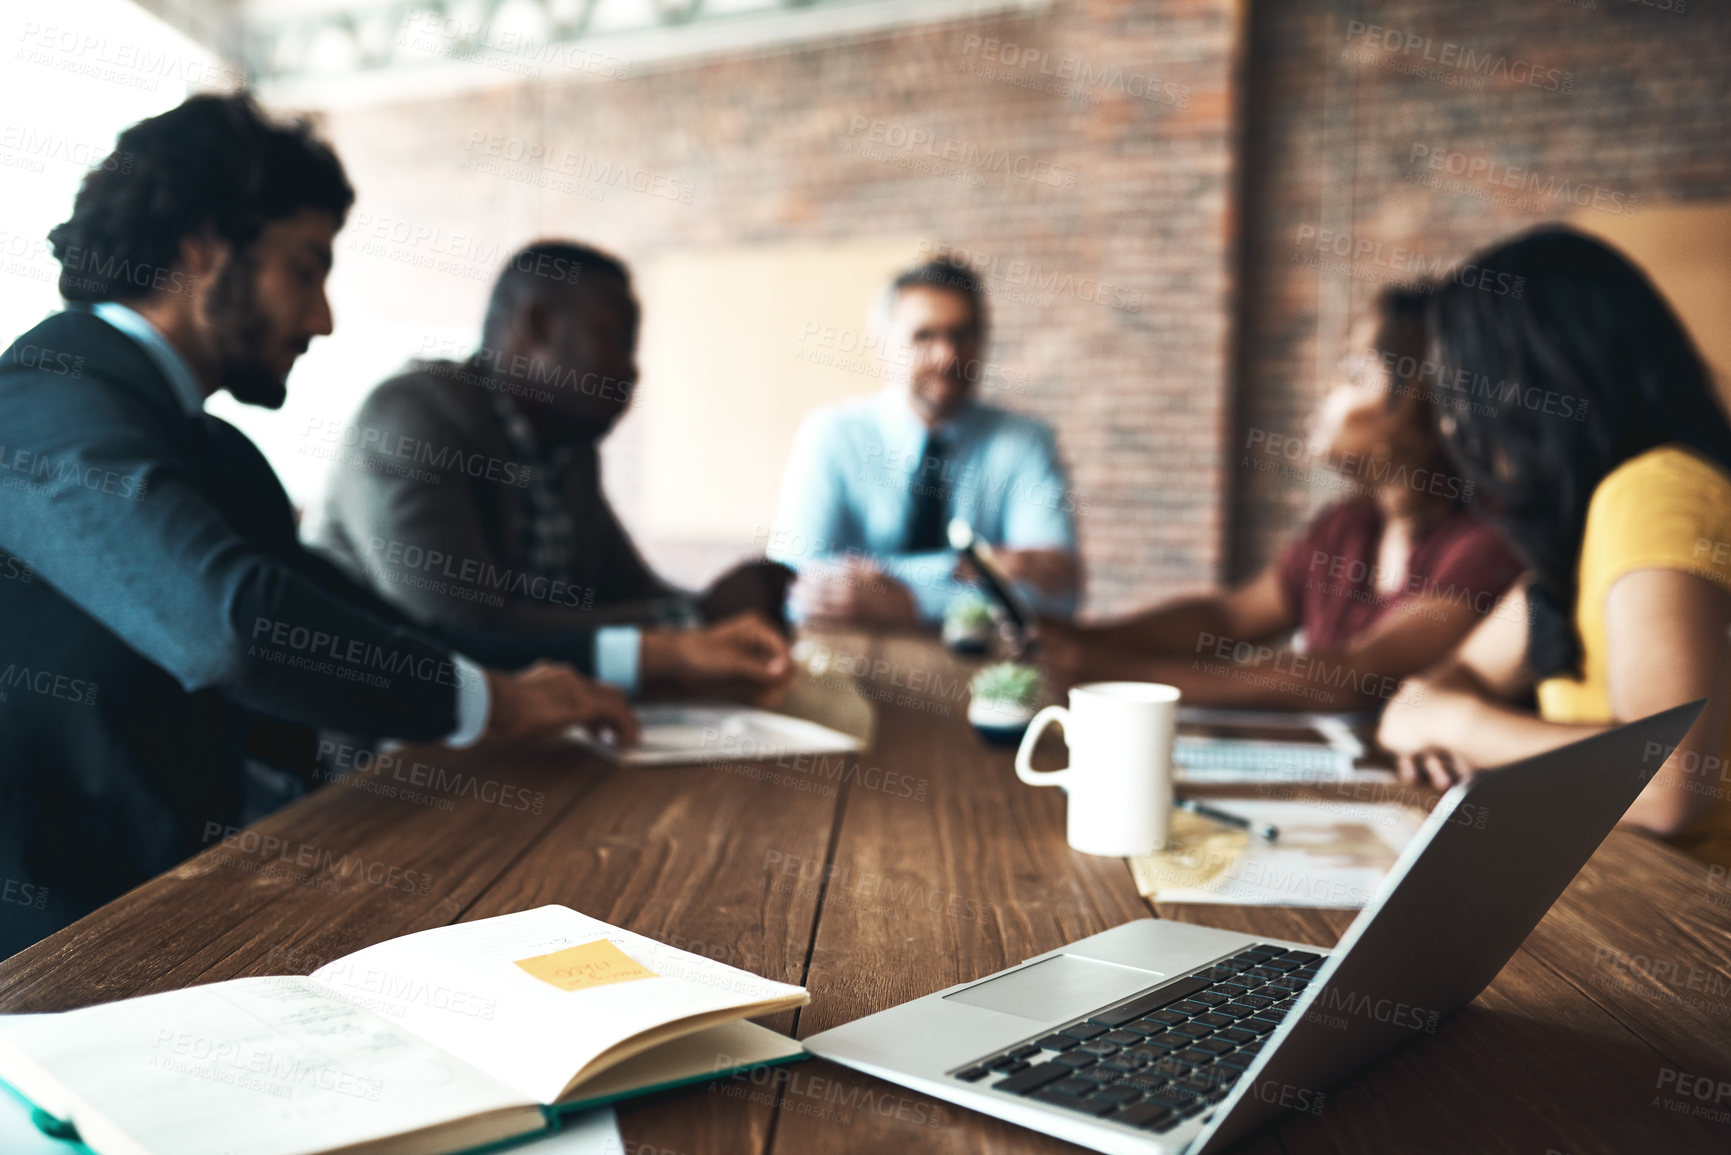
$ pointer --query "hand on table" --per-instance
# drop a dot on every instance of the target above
(1417, 727)
(743, 651)
(1051, 571)
(853, 591)
(752, 587)
(548, 698)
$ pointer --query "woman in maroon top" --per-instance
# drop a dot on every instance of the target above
(1379, 584)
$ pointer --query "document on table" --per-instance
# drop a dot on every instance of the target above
(687, 733)
(1223, 747)
(1330, 854)
(269, 1065)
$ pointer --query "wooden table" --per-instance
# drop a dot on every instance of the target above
(920, 864)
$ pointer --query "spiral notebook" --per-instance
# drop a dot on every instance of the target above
(1225, 747)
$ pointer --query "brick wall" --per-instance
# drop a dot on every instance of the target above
(1624, 103)
(1591, 112)
(1127, 174)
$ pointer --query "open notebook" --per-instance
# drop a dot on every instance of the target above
(447, 1040)
(697, 732)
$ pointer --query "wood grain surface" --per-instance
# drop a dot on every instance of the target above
(879, 877)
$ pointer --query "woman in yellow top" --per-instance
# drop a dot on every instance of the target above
(1587, 419)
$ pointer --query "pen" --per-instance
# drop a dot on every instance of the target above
(1260, 829)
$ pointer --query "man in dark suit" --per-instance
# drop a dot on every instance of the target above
(164, 632)
(469, 493)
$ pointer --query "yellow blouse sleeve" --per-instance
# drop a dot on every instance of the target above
(1666, 509)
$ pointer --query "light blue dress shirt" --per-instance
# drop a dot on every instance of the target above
(474, 701)
(848, 491)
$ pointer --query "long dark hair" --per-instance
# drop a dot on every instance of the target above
(1571, 364)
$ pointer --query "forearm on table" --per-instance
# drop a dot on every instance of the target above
(302, 654)
(1061, 604)
(1492, 733)
(1284, 681)
(505, 602)
(1056, 591)
(932, 579)
(529, 616)
(515, 649)
(1177, 628)
(929, 577)
(1672, 801)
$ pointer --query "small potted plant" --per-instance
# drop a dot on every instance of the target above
(1005, 698)
(969, 625)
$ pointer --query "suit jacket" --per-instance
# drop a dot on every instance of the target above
(425, 504)
(156, 612)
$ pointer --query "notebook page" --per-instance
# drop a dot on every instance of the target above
(697, 1057)
(266, 1066)
(544, 1020)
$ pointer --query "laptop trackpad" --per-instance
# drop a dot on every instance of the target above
(1061, 987)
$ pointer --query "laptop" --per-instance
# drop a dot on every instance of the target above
(1161, 1036)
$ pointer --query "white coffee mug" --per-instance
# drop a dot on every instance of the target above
(1120, 775)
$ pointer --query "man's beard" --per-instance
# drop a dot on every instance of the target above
(953, 393)
(242, 332)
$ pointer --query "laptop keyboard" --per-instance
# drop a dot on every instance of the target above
(1161, 1057)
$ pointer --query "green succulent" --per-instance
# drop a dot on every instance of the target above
(1009, 682)
(968, 612)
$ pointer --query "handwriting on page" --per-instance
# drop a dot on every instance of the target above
(593, 964)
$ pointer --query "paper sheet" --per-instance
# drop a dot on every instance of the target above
(694, 733)
(269, 1066)
(1329, 854)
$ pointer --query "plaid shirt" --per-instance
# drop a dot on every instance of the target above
(544, 516)
(548, 540)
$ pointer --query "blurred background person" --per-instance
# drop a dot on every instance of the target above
(1378, 585)
(473, 495)
(1609, 462)
(873, 482)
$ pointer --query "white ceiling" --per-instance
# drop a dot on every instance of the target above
(319, 53)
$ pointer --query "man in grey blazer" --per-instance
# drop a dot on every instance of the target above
(469, 493)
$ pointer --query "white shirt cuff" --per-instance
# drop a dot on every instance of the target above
(474, 703)
(618, 653)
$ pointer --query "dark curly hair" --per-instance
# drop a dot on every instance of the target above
(215, 161)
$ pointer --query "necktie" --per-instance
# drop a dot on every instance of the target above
(931, 499)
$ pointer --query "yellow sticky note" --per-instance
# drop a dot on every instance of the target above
(593, 964)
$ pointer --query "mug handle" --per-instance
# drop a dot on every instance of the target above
(1025, 752)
